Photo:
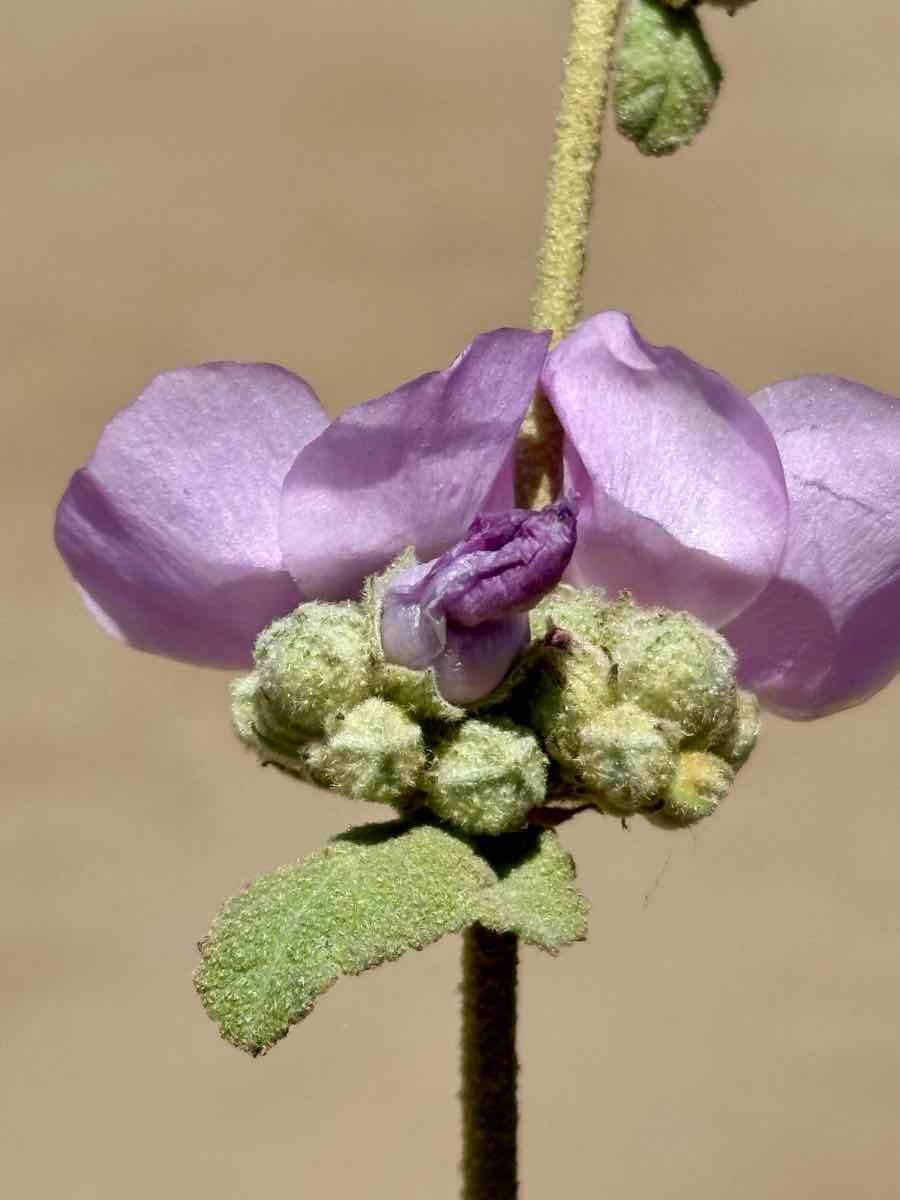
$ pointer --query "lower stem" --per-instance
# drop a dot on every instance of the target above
(489, 1065)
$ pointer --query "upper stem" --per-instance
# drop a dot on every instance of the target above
(556, 304)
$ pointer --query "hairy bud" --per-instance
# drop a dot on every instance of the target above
(577, 611)
(573, 684)
(740, 736)
(627, 758)
(374, 753)
(679, 669)
(625, 699)
(701, 781)
(487, 776)
(314, 664)
(667, 77)
(257, 728)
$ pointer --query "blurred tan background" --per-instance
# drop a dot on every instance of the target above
(354, 190)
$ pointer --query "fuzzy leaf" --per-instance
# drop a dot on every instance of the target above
(366, 898)
(667, 78)
(535, 896)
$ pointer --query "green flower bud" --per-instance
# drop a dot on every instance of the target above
(624, 622)
(415, 692)
(740, 736)
(571, 685)
(667, 77)
(374, 753)
(701, 781)
(578, 611)
(256, 727)
(678, 669)
(487, 776)
(627, 758)
(243, 708)
(314, 664)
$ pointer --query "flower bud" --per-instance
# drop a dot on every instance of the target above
(675, 667)
(701, 781)
(374, 753)
(462, 614)
(243, 708)
(570, 686)
(487, 776)
(416, 692)
(667, 77)
(314, 664)
(740, 736)
(258, 728)
(624, 623)
(576, 611)
(627, 758)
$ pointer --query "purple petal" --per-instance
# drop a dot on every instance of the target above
(171, 530)
(506, 563)
(826, 632)
(475, 661)
(454, 613)
(411, 468)
(412, 636)
(682, 494)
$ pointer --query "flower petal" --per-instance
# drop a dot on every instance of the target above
(826, 631)
(171, 530)
(460, 612)
(475, 660)
(468, 662)
(411, 468)
(411, 636)
(683, 499)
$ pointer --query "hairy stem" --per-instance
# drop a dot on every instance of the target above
(490, 960)
(489, 1065)
(556, 304)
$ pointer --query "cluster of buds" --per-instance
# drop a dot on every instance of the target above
(439, 690)
(638, 709)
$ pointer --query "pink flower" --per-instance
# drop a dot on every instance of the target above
(223, 497)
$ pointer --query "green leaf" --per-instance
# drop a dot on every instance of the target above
(536, 896)
(366, 898)
(667, 78)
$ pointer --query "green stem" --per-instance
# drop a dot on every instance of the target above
(556, 304)
(489, 1065)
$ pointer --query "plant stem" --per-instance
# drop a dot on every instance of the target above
(489, 1065)
(490, 960)
(556, 304)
